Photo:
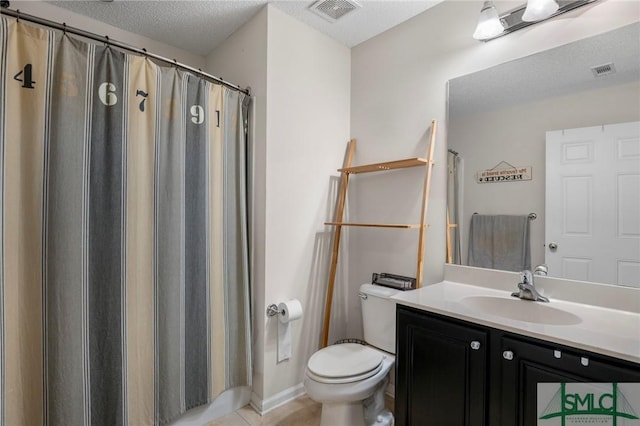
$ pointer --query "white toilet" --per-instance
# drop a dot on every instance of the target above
(350, 379)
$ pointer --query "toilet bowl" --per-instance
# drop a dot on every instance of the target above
(342, 377)
(350, 379)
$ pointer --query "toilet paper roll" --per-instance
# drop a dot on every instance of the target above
(289, 311)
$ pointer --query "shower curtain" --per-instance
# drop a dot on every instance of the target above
(453, 207)
(124, 293)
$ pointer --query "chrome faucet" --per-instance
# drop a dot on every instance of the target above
(527, 290)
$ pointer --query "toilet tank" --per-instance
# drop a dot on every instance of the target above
(379, 316)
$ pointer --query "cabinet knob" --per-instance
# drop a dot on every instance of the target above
(475, 345)
(584, 361)
(508, 355)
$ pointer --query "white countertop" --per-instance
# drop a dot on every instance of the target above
(602, 330)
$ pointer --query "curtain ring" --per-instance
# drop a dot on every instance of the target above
(64, 28)
(145, 52)
(17, 15)
(106, 40)
(175, 63)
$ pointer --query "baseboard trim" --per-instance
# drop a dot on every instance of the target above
(263, 406)
(391, 390)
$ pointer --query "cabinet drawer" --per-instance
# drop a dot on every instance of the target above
(582, 366)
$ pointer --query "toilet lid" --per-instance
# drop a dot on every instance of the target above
(345, 360)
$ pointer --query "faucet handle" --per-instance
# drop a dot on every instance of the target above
(526, 277)
(541, 269)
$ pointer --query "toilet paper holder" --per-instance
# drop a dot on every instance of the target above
(272, 310)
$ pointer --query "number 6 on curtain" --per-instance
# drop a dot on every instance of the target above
(105, 92)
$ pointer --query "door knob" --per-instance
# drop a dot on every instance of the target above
(553, 246)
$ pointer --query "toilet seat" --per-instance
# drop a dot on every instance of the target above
(344, 363)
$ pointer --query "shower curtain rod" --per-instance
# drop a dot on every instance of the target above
(105, 39)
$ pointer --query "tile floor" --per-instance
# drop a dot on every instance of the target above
(300, 412)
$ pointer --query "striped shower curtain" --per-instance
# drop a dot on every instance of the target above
(124, 295)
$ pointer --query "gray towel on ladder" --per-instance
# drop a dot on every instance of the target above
(500, 242)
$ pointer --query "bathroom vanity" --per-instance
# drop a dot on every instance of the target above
(473, 355)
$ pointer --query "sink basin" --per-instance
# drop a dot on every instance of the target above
(521, 310)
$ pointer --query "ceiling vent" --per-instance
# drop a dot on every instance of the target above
(332, 10)
(602, 70)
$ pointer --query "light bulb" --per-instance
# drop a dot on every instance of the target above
(489, 24)
(537, 10)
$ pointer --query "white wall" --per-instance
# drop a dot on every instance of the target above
(57, 14)
(302, 86)
(398, 86)
(504, 135)
(243, 58)
(308, 122)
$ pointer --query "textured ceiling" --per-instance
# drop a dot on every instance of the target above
(200, 26)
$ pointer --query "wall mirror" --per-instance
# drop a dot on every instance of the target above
(498, 119)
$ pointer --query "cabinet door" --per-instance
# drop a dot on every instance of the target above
(441, 375)
(525, 363)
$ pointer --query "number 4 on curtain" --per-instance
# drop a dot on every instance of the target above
(27, 81)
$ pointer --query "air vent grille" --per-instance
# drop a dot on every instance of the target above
(332, 10)
(604, 69)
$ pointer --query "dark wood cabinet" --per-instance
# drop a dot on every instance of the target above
(527, 362)
(452, 372)
(441, 379)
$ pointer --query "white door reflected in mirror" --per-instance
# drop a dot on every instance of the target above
(594, 240)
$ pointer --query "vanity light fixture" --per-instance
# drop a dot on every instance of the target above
(489, 25)
(532, 12)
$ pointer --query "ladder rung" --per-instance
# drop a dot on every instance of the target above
(388, 165)
(377, 225)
